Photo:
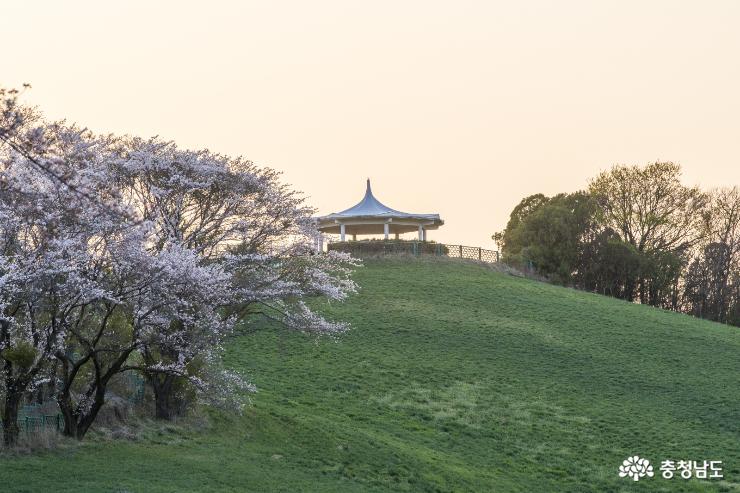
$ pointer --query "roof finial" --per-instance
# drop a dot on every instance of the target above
(368, 191)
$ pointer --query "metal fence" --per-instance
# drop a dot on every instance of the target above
(473, 253)
(136, 387)
(33, 418)
(33, 424)
(416, 248)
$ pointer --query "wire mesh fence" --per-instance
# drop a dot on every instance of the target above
(34, 424)
(34, 418)
(416, 248)
(473, 253)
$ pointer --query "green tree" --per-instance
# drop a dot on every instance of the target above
(510, 240)
(608, 264)
(712, 287)
(650, 209)
(548, 234)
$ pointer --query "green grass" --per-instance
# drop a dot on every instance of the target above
(454, 378)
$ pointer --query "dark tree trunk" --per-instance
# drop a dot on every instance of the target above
(10, 418)
(76, 422)
(77, 419)
(12, 395)
(629, 289)
(68, 415)
(167, 403)
(86, 420)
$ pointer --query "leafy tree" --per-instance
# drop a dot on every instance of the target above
(608, 264)
(549, 233)
(510, 240)
(630, 236)
(554, 235)
(712, 279)
(706, 287)
(650, 209)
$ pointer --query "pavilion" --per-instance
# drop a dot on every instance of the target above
(371, 217)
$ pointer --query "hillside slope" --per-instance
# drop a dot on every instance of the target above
(454, 378)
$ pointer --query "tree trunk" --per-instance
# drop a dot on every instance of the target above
(10, 418)
(629, 289)
(79, 417)
(68, 415)
(87, 419)
(167, 404)
(77, 423)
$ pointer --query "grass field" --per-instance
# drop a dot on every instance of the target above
(454, 378)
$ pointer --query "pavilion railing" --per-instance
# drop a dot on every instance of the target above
(416, 248)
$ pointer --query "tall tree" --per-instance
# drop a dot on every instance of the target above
(650, 209)
(134, 255)
(49, 237)
(510, 240)
(231, 213)
(711, 284)
(553, 235)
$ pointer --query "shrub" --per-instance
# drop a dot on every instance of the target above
(385, 247)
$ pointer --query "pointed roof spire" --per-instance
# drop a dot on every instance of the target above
(370, 206)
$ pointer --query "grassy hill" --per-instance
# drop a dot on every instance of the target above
(454, 378)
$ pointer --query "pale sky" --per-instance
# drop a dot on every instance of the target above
(455, 107)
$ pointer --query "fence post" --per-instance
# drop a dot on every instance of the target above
(497, 256)
(479, 253)
(461, 251)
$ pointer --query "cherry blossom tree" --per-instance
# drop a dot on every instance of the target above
(125, 254)
(234, 214)
(85, 287)
(141, 295)
(48, 236)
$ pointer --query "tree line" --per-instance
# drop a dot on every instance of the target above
(127, 255)
(636, 233)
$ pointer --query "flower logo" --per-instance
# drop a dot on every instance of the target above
(635, 468)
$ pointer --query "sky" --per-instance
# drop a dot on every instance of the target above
(460, 108)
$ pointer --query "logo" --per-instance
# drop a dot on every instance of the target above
(635, 468)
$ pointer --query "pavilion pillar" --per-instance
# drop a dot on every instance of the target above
(396, 236)
(341, 231)
(354, 237)
(421, 233)
(386, 230)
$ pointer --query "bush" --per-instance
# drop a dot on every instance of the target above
(385, 247)
(22, 354)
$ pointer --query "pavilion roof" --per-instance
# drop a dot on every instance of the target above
(369, 206)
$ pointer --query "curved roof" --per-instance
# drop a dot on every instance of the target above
(370, 207)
